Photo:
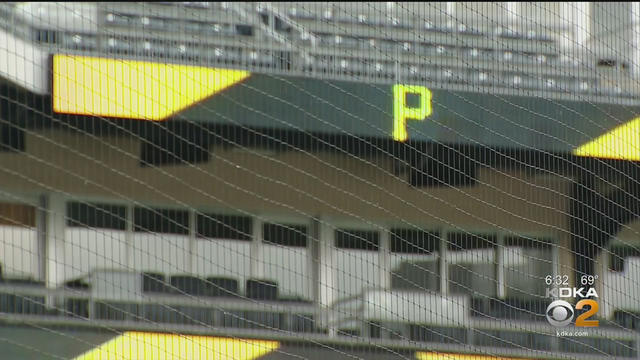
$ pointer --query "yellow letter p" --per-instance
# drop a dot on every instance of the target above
(401, 112)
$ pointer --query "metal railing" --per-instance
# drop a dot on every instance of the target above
(35, 304)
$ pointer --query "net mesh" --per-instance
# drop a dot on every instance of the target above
(220, 180)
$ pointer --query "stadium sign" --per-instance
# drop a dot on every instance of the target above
(402, 112)
(169, 92)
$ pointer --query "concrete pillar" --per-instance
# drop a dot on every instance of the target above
(384, 260)
(451, 8)
(577, 16)
(326, 266)
(257, 265)
(555, 262)
(321, 254)
(51, 238)
(442, 263)
(129, 238)
(635, 38)
(41, 233)
(610, 29)
(313, 259)
(501, 289)
(602, 286)
(190, 261)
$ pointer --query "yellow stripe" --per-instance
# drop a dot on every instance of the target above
(622, 143)
(133, 89)
(158, 346)
(421, 355)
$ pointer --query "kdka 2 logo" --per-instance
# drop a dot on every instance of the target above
(560, 312)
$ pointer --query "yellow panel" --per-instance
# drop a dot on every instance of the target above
(133, 89)
(622, 143)
(421, 355)
(159, 346)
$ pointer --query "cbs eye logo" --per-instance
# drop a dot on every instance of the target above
(560, 313)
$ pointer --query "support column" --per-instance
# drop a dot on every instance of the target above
(322, 272)
(313, 259)
(190, 262)
(41, 233)
(384, 260)
(128, 237)
(601, 284)
(257, 265)
(635, 38)
(555, 261)
(326, 263)
(442, 263)
(51, 225)
(501, 289)
(578, 16)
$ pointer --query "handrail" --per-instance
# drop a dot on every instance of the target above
(238, 304)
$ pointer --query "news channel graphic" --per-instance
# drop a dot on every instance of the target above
(561, 312)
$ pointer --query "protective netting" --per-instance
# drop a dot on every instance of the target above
(319, 180)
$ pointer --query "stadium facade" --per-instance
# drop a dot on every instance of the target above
(318, 180)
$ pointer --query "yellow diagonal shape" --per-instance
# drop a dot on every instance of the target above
(133, 89)
(422, 355)
(158, 346)
(623, 143)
